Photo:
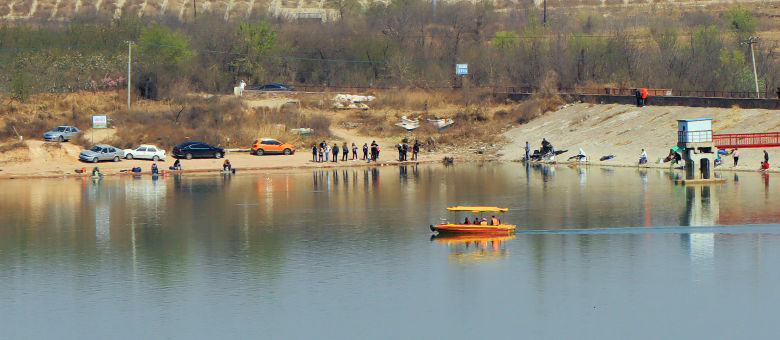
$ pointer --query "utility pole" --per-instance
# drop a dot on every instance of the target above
(750, 41)
(545, 12)
(129, 71)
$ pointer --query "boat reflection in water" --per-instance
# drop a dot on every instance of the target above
(472, 248)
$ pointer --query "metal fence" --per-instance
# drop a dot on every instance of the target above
(746, 140)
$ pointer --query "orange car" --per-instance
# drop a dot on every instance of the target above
(264, 146)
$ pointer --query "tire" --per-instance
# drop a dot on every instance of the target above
(217, 155)
(116, 158)
(60, 139)
(129, 156)
(259, 152)
(155, 158)
(287, 151)
(188, 156)
(94, 160)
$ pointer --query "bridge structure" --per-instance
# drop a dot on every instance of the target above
(746, 140)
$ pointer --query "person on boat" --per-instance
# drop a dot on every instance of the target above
(476, 220)
(483, 222)
(494, 221)
(467, 221)
(226, 165)
(154, 169)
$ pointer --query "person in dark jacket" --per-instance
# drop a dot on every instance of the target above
(365, 151)
(314, 152)
(415, 150)
(344, 151)
(335, 153)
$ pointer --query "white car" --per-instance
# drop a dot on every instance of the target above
(145, 151)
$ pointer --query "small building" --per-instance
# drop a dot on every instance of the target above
(694, 139)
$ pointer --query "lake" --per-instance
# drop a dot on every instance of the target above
(347, 253)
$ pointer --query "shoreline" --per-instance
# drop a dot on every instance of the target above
(341, 164)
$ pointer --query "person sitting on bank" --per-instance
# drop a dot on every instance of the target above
(96, 172)
(226, 165)
(154, 169)
(176, 165)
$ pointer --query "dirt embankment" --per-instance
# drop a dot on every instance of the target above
(624, 130)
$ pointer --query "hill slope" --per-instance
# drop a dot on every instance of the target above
(65, 9)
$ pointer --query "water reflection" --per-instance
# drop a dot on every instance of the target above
(474, 248)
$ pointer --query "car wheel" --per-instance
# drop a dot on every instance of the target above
(188, 156)
(259, 152)
(116, 158)
(287, 151)
(129, 156)
(60, 139)
(94, 160)
(217, 155)
(155, 158)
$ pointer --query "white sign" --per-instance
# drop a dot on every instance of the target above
(461, 69)
(99, 121)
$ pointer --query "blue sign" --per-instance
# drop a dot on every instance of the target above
(461, 69)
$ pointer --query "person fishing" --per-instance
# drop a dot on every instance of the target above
(226, 166)
(643, 157)
(154, 169)
(176, 165)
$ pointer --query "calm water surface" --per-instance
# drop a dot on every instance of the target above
(599, 253)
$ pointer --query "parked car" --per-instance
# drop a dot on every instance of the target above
(61, 133)
(101, 152)
(194, 149)
(145, 151)
(264, 146)
(273, 87)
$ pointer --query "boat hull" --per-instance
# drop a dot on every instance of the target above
(473, 228)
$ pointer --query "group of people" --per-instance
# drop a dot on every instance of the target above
(403, 150)
(322, 152)
(493, 221)
(641, 96)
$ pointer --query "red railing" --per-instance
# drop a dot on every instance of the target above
(651, 92)
(746, 140)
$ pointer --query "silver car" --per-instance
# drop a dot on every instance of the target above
(101, 152)
(61, 133)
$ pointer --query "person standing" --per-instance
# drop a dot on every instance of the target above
(638, 95)
(400, 152)
(415, 150)
(405, 150)
(326, 151)
(335, 152)
(527, 150)
(644, 96)
(735, 154)
(354, 151)
(314, 152)
(344, 151)
(365, 151)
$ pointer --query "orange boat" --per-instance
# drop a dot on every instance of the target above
(484, 227)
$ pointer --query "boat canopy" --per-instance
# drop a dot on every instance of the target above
(477, 209)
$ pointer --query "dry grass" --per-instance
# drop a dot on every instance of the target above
(13, 146)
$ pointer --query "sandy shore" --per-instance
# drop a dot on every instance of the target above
(64, 162)
(624, 130)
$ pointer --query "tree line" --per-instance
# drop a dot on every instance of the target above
(402, 43)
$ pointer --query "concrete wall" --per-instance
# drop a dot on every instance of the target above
(744, 103)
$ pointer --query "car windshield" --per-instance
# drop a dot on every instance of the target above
(59, 129)
(95, 148)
